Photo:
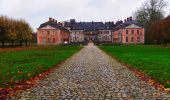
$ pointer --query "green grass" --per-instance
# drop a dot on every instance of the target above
(17, 66)
(154, 61)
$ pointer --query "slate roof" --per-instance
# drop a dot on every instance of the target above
(120, 24)
(53, 24)
(130, 23)
(90, 25)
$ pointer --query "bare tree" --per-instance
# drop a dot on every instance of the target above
(150, 12)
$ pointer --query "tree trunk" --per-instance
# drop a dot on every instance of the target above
(2, 43)
(12, 43)
(21, 43)
(165, 42)
(26, 43)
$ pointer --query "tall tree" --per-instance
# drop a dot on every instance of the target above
(3, 29)
(151, 12)
(161, 31)
(12, 35)
(25, 31)
(11, 29)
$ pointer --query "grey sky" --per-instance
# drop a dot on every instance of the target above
(38, 11)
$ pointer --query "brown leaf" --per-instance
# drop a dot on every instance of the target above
(20, 72)
(167, 89)
(12, 80)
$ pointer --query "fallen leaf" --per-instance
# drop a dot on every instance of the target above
(167, 89)
(1, 89)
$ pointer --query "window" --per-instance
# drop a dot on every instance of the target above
(132, 32)
(53, 33)
(48, 33)
(127, 32)
(132, 39)
(42, 32)
(138, 39)
(107, 32)
(53, 40)
(138, 33)
(126, 39)
(106, 38)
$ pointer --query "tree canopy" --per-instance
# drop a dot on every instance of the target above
(161, 31)
(150, 13)
(11, 29)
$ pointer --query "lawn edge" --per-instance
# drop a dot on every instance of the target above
(138, 73)
(6, 93)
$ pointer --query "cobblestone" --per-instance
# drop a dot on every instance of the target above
(92, 75)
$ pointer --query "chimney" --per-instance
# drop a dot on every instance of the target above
(130, 18)
(50, 19)
(53, 20)
(124, 20)
(72, 21)
(59, 23)
(121, 21)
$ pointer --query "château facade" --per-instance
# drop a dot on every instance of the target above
(90, 31)
(127, 32)
(52, 32)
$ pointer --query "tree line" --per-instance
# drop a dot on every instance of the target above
(161, 31)
(151, 16)
(14, 30)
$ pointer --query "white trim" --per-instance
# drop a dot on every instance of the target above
(48, 27)
(133, 26)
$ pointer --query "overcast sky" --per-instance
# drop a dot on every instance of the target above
(36, 12)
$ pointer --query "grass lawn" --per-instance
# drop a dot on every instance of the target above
(152, 60)
(20, 65)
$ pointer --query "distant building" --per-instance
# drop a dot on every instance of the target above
(52, 32)
(129, 32)
(90, 31)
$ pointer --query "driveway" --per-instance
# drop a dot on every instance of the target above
(92, 75)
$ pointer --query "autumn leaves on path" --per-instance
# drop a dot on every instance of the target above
(91, 74)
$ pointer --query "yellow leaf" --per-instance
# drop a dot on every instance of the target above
(167, 89)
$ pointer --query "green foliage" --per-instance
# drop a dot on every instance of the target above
(150, 12)
(152, 60)
(11, 29)
(17, 66)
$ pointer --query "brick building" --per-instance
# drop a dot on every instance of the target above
(81, 31)
(128, 32)
(52, 32)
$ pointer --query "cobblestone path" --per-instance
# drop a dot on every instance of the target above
(92, 75)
